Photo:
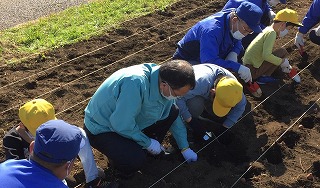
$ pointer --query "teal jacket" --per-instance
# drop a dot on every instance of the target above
(129, 101)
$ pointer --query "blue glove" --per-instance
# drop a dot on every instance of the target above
(189, 155)
(155, 147)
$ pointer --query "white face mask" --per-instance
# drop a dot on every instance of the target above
(283, 33)
(237, 34)
(273, 2)
(170, 97)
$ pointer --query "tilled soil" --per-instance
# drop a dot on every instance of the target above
(266, 148)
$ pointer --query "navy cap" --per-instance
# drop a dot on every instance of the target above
(57, 141)
(251, 14)
(283, 1)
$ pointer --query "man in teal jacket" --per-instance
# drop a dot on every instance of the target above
(133, 109)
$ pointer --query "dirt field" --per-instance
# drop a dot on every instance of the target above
(68, 76)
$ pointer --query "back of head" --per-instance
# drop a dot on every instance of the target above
(33, 113)
(251, 14)
(57, 142)
(178, 73)
(288, 15)
(228, 93)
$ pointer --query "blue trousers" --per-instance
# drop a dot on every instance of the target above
(314, 38)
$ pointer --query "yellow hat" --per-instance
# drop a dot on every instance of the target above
(288, 15)
(36, 112)
(228, 93)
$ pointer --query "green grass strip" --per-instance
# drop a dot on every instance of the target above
(71, 25)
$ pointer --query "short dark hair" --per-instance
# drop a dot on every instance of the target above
(218, 78)
(177, 73)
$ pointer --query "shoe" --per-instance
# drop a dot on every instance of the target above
(99, 183)
(254, 89)
(266, 80)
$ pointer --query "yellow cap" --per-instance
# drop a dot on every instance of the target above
(36, 112)
(228, 93)
(288, 15)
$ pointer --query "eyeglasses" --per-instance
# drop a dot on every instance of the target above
(245, 29)
(170, 89)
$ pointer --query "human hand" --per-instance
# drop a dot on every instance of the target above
(155, 147)
(298, 40)
(189, 155)
(285, 66)
(232, 56)
(245, 73)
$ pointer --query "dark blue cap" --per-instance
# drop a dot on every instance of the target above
(57, 141)
(251, 14)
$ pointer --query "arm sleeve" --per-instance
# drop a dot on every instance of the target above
(179, 132)
(13, 147)
(312, 17)
(268, 44)
(236, 112)
(183, 108)
(209, 51)
(129, 102)
(238, 47)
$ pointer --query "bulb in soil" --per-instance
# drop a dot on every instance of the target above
(300, 126)
(243, 180)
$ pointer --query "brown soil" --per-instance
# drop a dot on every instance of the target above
(68, 76)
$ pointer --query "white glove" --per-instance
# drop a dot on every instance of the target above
(285, 66)
(245, 73)
(232, 56)
(189, 155)
(271, 15)
(298, 40)
(317, 30)
(155, 147)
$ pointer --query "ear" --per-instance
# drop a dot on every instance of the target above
(162, 85)
(31, 147)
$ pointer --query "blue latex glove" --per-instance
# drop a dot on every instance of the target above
(189, 155)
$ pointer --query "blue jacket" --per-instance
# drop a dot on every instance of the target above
(210, 41)
(312, 17)
(129, 101)
(205, 75)
(24, 174)
(265, 7)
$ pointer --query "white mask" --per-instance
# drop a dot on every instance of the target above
(170, 97)
(237, 34)
(273, 2)
(283, 33)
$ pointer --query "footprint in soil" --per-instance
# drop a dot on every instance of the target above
(274, 154)
(316, 168)
(234, 151)
(309, 121)
(290, 139)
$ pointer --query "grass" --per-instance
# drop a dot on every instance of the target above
(71, 26)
